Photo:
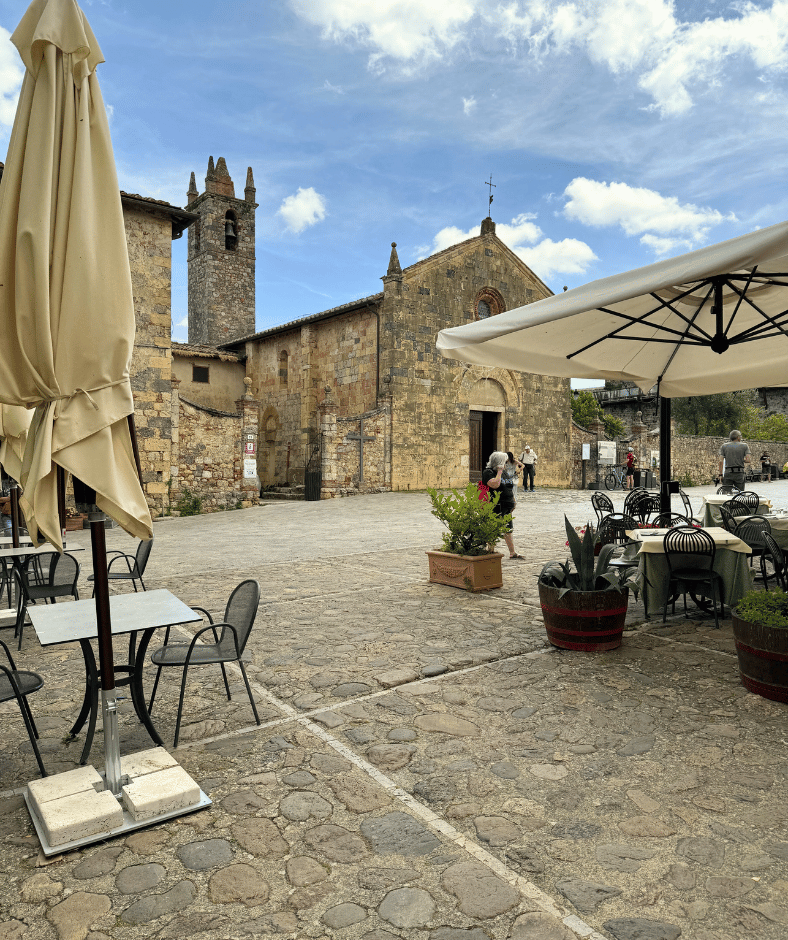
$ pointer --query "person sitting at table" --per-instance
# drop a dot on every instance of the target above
(734, 453)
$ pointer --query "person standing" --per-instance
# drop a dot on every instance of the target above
(511, 472)
(630, 468)
(735, 454)
(492, 476)
(528, 459)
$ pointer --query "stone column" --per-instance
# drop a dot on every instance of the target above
(249, 410)
(327, 417)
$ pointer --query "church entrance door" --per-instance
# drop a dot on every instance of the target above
(483, 437)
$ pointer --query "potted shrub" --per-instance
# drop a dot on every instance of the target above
(468, 558)
(760, 628)
(584, 603)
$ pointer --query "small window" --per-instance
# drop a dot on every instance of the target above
(200, 374)
(482, 310)
(230, 230)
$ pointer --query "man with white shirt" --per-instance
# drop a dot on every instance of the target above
(528, 459)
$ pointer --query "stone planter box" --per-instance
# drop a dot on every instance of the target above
(469, 572)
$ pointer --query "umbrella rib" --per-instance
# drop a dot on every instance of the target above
(742, 294)
(772, 327)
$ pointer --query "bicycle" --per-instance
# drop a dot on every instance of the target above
(615, 478)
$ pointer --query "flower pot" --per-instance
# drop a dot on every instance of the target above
(469, 572)
(763, 658)
(591, 621)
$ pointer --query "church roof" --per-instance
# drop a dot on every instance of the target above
(313, 317)
(200, 351)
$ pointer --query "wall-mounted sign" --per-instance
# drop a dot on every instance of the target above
(586, 451)
(250, 469)
(606, 451)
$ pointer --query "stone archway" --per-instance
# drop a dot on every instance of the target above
(486, 423)
(266, 450)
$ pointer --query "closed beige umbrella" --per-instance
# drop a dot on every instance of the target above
(66, 307)
(14, 423)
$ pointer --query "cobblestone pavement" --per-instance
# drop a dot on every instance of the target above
(427, 766)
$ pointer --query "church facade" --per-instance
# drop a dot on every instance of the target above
(359, 392)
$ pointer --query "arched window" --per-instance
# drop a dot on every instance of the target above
(230, 230)
(488, 303)
(283, 369)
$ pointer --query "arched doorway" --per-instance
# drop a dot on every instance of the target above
(486, 429)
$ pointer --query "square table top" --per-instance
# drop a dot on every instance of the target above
(653, 540)
(22, 551)
(9, 540)
(65, 623)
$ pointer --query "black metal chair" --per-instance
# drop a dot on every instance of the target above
(731, 512)
(229, 646)
(613, 530)
(638, 504)
(688, 512)
(18, 684)
(752, 530)
(603, 505)
(135, 565)
(727, 490)
(43, 577)
(669, 520)
(772, 555)
(750, 499)
(690, 552)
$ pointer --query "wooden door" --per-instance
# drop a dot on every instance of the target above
(475, 446)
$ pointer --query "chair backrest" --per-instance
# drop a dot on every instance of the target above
(688, 546)
(602, 504)
(752, 530)
(48, 569)
(772, 550)
(143, 554)
(669, 520)
(687, 505)
(638, 504)
(613, 528)
(738, 508)
(753, 500)
(241, 611)
(727, 490)
(728, 520)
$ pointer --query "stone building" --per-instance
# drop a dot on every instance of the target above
(358, 393)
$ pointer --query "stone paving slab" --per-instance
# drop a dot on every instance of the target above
(522, 793)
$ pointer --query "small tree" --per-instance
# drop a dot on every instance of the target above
(585, 409)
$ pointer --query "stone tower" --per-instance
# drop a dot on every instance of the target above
(221, 258)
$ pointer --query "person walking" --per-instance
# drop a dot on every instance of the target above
(734, 453)
(492, 476)
(528, 459)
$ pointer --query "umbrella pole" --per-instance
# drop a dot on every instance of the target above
(109, 703)
(664, 454)
(14, 494)
(61, 502)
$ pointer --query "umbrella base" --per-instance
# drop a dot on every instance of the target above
(74, 809)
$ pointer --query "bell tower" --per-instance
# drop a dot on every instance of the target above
(221, 258)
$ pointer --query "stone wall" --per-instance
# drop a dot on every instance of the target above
(225, 383)
(149, 240)
(432, 395)
(340, 453)
(580, 436)
(626, 408)
(208, 447)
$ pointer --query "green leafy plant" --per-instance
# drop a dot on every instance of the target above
(188, 504)
(474, 528)
(766, 608)
(590, 573)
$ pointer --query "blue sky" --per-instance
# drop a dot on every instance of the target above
(616, 133)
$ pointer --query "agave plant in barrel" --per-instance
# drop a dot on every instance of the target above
(584, 601)
(760, 628)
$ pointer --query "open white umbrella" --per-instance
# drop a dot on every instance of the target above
(66, 306)
(714, 320)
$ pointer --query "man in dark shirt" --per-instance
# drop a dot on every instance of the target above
(735, 454)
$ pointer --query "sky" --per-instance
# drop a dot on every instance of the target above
(615, 134)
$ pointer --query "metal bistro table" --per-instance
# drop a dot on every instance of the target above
(710, 510)
(145, 611)
(731, 562)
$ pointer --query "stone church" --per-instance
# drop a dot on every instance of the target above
(347, 400)
(359, 392)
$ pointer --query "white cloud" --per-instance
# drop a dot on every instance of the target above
(305, 208)
(673, 60)
(11, 75)
(522, 235)
(664, 222)
(183, 323)
(468, 104)
(327, 86)
(403, 30)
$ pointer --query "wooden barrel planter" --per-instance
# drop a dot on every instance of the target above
(590, 621)
(763, 658)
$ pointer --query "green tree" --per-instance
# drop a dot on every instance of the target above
(717, 415)
(585, 408)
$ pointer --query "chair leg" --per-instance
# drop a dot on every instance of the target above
(226, 686)
(180, 707)
(20, 623)
(31, 732)
(153, 693)
(249, 691)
